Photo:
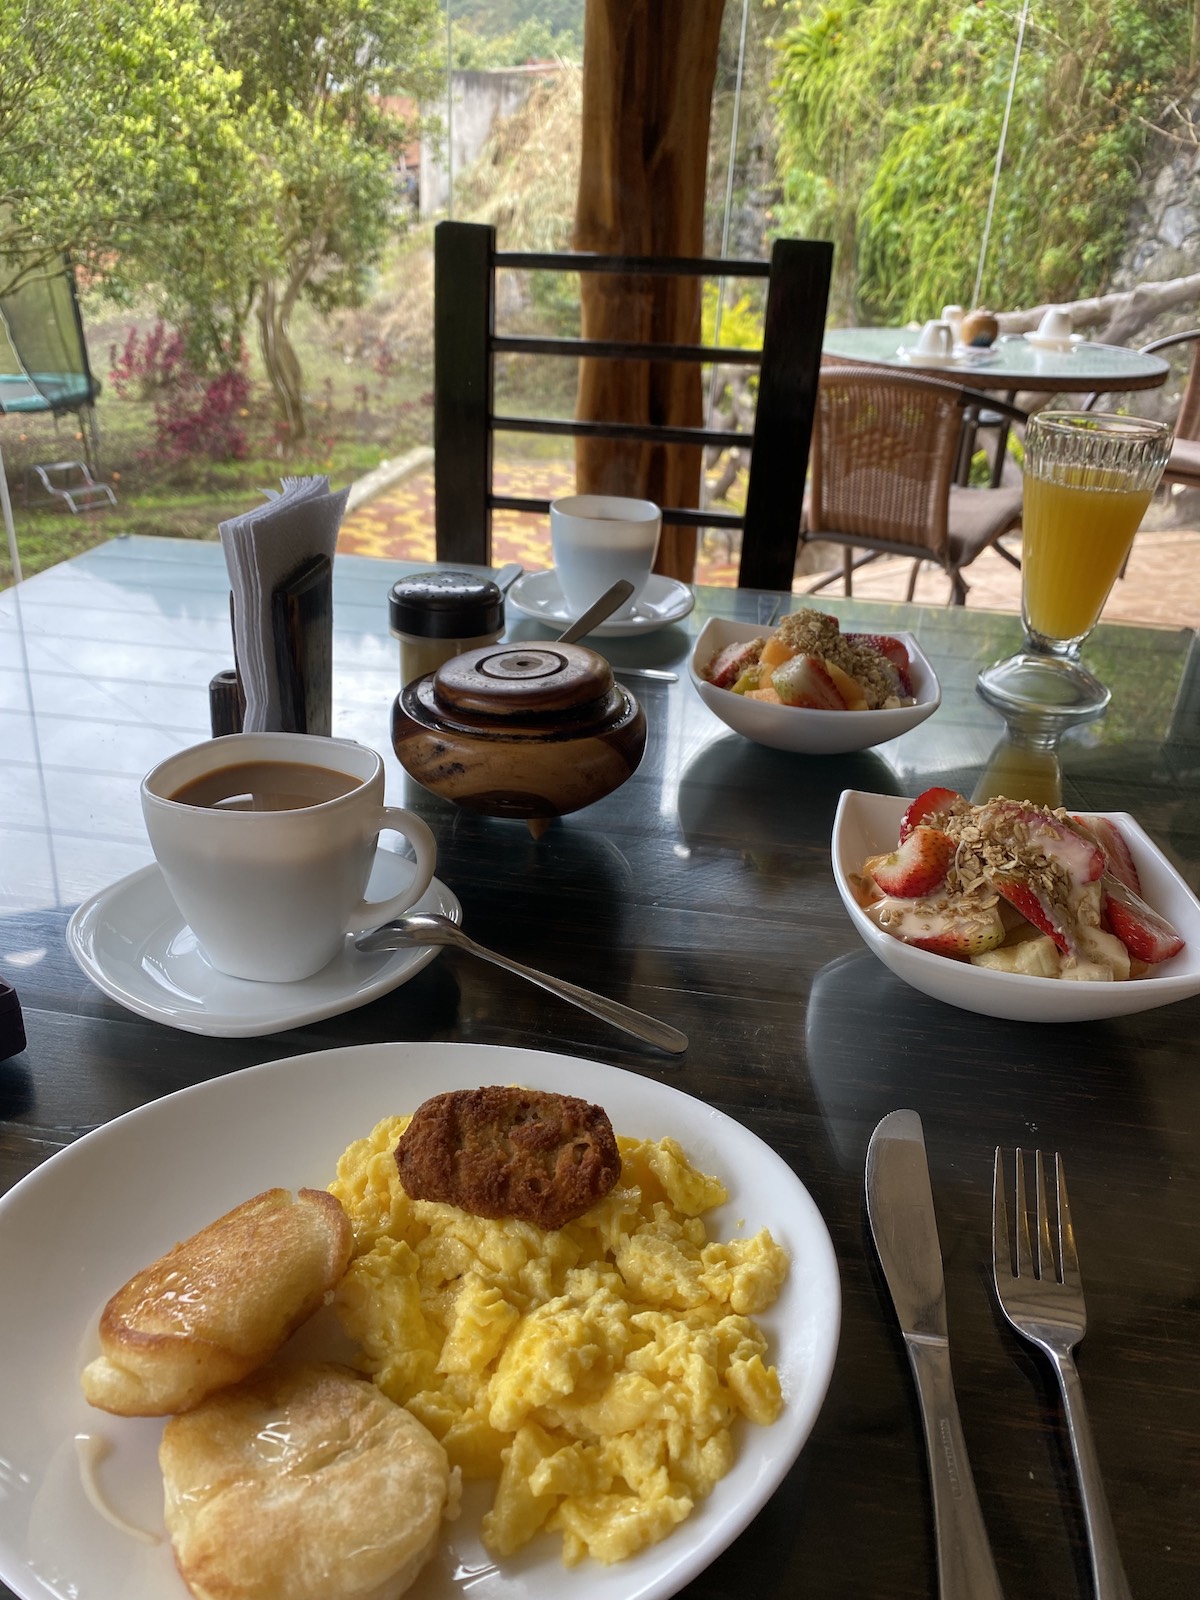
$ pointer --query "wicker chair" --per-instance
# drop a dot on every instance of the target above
(1184, 465)
(885, 446)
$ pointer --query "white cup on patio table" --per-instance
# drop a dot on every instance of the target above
(954, 316)
(266, 842)
(936, 338)
(1055, 324)
(598, 539)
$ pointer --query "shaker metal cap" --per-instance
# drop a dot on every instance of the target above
(445, 605)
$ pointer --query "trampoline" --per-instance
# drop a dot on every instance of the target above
(43, 363)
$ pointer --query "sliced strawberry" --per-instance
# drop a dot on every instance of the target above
(1041, 833)
(1035, 908)
(895, 652)
(803, 681)
(1147, 936)
(927, 807)
(1112, 841)
(940, 929)
(727, 666)
(918, 867)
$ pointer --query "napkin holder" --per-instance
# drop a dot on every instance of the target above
(302, 642)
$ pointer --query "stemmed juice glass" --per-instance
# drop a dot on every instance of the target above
(1089, 477)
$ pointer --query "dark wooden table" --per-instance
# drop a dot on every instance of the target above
(701, 891)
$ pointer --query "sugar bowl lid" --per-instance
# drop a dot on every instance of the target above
(524, 680)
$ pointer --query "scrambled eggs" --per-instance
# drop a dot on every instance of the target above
(595, 1370)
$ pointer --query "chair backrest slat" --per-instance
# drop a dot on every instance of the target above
(466, 348)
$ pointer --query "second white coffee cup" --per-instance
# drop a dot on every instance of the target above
(1056, 323)
(937, 338)
(597, 539)
(266, 842)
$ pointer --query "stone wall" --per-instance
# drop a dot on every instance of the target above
(478, 100)
(1164, 243)
(1164, 227)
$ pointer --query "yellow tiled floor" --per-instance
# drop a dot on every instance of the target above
(1161, 584)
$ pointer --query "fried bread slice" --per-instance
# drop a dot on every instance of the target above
(303, 1481)
(219, 1304)
(510, 1152)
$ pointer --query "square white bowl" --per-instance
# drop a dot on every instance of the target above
(817, 733)
(869, 824)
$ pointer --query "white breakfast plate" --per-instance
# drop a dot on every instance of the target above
(133, 944)
(1064, 344)
(662, 601)
(868, 824)
(78, 1227)
(796, 728)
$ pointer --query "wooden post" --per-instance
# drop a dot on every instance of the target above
(648, 72)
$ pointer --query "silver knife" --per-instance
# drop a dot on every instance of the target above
(900, 1208)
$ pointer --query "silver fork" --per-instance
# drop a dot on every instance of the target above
(1043, 1300)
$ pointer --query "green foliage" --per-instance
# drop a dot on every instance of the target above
(111, 120)
(741, 319)
(890, 114)
(562, 20)
(529, 41)
(227, 156)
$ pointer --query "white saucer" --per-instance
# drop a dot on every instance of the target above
(1045, 341)
(132, 943)
(662, 601)
(962, 356)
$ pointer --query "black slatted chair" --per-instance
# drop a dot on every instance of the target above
(466, 345)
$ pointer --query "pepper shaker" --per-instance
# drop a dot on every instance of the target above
(437, 615)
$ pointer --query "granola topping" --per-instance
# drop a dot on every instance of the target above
(1017, 888)
(808, 661)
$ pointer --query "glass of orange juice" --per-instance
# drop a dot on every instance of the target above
(1089, 477)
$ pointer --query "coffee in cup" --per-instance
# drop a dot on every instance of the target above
(598, 539)
(266, 843)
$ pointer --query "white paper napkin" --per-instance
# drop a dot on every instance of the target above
(263, 548)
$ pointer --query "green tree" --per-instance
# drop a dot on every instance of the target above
(113, 116)
(890, 114)
(223, 156)
(328, 97)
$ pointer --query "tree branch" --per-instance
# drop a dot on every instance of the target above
(1115, 318)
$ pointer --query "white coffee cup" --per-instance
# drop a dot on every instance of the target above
(598, 539)
(272, 894)
(936, 338)
(1056, 323)
(953, 315)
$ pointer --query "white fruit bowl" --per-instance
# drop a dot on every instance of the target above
(817, 733)
(869, 824)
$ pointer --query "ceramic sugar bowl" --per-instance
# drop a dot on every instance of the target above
(520, 730)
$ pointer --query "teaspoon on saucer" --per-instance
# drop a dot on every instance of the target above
(425, 928)
(597, 612)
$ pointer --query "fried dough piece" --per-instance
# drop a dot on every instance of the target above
(510, 1152)
(305, 1482)
(219, 1304)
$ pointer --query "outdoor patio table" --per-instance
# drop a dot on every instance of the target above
(1013, 365)
(701, 892)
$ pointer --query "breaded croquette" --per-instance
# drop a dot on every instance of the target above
(510, 1152)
